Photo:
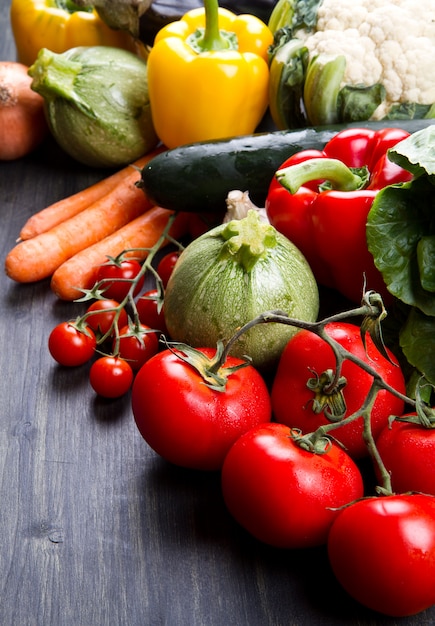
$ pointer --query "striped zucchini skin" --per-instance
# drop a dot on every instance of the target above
(198, 177)
(208, 298)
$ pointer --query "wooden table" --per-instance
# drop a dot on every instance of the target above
(95, 529)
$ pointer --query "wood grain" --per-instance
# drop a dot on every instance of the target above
(95, 529)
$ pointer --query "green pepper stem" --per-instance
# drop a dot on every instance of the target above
(334, 171)
(211, 38)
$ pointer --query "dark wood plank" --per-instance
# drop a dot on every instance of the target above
(95, 529)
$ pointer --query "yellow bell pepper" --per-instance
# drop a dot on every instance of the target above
(208, 76)
(60, 25)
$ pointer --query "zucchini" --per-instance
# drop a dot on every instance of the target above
(198, 177)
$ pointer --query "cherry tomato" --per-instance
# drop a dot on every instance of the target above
(103, 321)
(166, 266)
(408, 453)
(382, 551)
(307, 356)
(188, 423)
(137, 347)
(71, 347)
(122, 275)
(147, 310)
(111, 377)
(283, 495)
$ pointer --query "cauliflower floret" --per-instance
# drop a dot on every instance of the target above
(391, 42)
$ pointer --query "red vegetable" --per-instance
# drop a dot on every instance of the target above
(137, 345)
(306, 357)
(110, 377)
(22, 120)
(382, 551)
(185, 420)
(329, 226)
(70, 346)
(282, 494)
(408, 453)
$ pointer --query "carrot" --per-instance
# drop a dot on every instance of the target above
(80, 271)
(37, 258)
(62, 210)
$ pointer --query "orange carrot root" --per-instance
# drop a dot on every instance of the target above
(68, 207)
(80, 271)
(37, 258)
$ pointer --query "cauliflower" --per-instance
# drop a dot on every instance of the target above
(364, 59)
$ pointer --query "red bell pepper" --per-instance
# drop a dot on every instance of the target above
(320, 201)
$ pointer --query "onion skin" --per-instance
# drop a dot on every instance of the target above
(22, 120)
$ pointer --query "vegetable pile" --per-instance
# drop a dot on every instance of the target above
(229, 366)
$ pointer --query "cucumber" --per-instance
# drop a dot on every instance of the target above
(198, 177)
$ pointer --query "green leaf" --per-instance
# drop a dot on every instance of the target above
(416, 153)
(417, 340)
(357, 103)
(409, 111)
(400, 216)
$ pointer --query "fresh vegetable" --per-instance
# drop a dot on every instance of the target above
(166, 266)
(22, 121)
(110, 376)
(282, 494)
(150, 310)
(79, 272)
(343, 58)
(136, 344)
(67, 207)
(400, 236)
(407, 449)
(162, 12)
(222, 58)
(307, 394)
(116, 277)
(96, 103)
(190, 406)
(199, 176)
(105, 314)
(60, 25)
(321, 205)
(37, 258)
(382, 551)
(71, 345)
(229, 275)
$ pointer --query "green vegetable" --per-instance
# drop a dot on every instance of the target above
(96, 103)
(401, 237)
(198, 177)
(231, 274)
(351, 69)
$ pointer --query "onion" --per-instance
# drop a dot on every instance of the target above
(22, 120)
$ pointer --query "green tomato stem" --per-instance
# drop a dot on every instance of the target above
(334, 171)
(211, 38)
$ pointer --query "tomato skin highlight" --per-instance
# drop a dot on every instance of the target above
(185, 421)
(408, 453)
(122, 276)
(110, 377)
(305, 353)
(283, 495)
(71, 347)
(382, 551)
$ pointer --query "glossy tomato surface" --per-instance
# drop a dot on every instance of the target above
(307, 355)
(188, 423)
(283, 495)
(408, 453)
(71, 347)
(382, 551)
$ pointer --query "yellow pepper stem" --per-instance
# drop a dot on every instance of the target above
(211, 38)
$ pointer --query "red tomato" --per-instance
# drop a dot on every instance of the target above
(188, 423)
(166, 266)
(117, 278)
(102, 322)
(136, 348)
(408, 453)
(110, 377)
(382, 551)
(306, 355)
(282, 494)
(71, 347)
(148, 312)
